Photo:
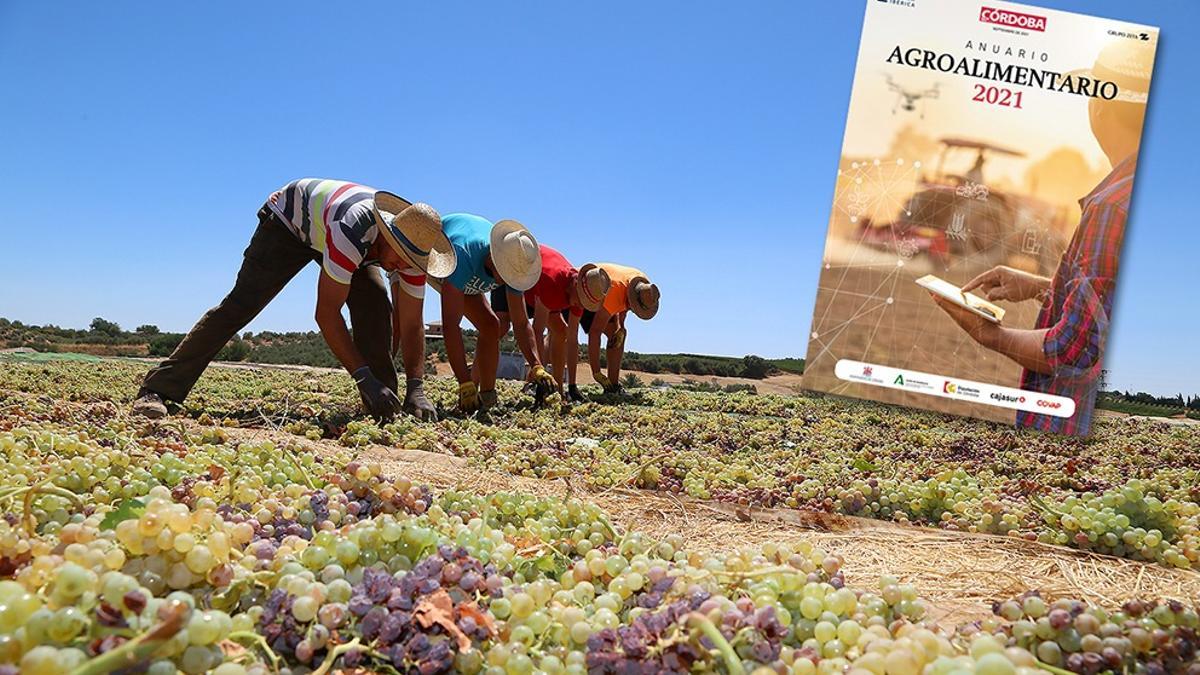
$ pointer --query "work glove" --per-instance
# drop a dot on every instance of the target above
(541, 376)
(618, 339)
(415, 402)
(610, 387)
(380, 401)
(487, 400)
(543, 385)
(468, 397)
(574, 395)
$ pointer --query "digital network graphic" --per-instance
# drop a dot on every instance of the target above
(894, 220)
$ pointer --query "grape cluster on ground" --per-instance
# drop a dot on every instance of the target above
(128, 546)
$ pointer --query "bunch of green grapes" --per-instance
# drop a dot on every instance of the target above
(1159, 636)
(1127, 522)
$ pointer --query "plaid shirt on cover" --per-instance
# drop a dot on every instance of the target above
(1079, 308)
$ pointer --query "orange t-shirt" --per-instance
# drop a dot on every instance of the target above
(617, 300)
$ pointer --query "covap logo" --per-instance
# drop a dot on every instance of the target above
(1010, 19)
(949, 387)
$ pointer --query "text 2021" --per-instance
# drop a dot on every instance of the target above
(997, 96)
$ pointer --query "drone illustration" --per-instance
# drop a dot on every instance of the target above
(907, 100)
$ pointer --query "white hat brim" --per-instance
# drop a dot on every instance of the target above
(438, 261)
(644, 312)
(512, 275)
(580, 287)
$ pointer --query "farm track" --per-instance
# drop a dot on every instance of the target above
(960, 574)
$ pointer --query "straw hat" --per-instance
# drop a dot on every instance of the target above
(415, 232)
(643, 298)
(516, 255)
(1128, 63)
(591, 286)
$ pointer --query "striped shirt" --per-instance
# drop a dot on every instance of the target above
(332, 217)
(410, 280)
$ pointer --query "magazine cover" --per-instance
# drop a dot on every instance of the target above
(981, 200)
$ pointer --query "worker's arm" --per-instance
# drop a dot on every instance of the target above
(541, 316)
(331, 297)
(572, 346)
(615, 348)
(558, 345)
(487, 341)
(1005, 283)
(522, 331)
(1023, 345)
(594, 334)
(377, 398)
(452, 313)
(408, 330)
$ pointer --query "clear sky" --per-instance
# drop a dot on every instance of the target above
(696, 140)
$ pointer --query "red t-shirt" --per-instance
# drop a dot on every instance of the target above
(552, 287)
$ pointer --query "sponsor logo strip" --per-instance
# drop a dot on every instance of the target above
(953, 388)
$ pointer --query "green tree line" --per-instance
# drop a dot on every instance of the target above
(309, 348)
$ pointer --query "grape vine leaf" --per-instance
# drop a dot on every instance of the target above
(481, 617)
(126, 510)
(438, 608)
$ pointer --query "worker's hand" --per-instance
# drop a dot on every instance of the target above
(602, 380)
(543, 383)
(574, 395)
(540, 376)
(274, 198)
(468, 397)
(980, 329)
(416, 403)
(618, 339)
(380, 401)
(1005, 283)
(487, 400)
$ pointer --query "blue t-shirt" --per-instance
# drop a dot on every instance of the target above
(471, 237)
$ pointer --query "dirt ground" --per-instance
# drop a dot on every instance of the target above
(874, 312)
(960, 574)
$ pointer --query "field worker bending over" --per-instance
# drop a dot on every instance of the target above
(489, 256)
(557, 301)
(349, 230)
(630, 291)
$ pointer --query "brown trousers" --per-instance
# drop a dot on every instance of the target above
(272, 259)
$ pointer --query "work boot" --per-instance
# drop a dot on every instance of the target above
(149, 405)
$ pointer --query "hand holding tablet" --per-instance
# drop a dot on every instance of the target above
(968, 301)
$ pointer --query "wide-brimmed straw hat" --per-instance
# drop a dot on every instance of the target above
(516, 255)
(643, 297)
(591, 286)
(415, 232)
(1127, 63)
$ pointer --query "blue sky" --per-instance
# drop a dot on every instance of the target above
(697, 140)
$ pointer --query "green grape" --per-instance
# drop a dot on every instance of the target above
(203, 628)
